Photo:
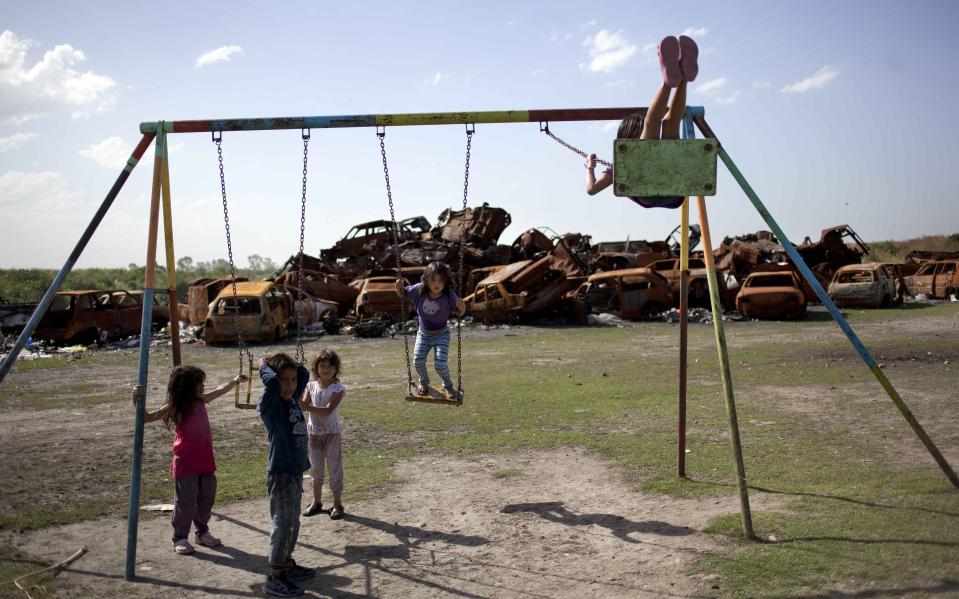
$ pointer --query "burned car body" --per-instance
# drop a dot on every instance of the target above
(630, 293)
(870, 285)
(939, 279)
(89, 316)
(772, 295)
(261, 309)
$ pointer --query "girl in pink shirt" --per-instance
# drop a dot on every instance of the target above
(193, 464)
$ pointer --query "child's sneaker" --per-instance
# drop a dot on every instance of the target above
(282, 587)
(298, 573)
(688, 56)
(669, 61)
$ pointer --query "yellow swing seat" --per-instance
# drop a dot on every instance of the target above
(436, 395)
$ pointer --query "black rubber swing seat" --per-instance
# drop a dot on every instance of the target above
(437, 395)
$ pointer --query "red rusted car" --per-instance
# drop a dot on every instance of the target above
(630, 293)
(772, 295)
(90, 316)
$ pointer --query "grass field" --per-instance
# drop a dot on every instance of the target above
(864, 508)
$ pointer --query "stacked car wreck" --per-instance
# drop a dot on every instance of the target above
(541, 276)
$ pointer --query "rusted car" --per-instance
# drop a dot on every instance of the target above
(481, 226)
(377, 293)
(199, 293)
(374, 237)
(772, 295)
(90, 316)
(939, 279)
(262, 310)
(527, 287)
(871, 285)
(630, 293)
(320, 285)
(831, 252)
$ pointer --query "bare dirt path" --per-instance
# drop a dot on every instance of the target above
(552, 524)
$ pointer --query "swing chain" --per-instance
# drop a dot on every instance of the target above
(395, 234)
(470, 130)
(218, 140)
(300, 353)
(544, 127)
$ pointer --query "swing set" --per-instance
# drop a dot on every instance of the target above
(685, 167)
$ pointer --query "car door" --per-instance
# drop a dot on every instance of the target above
(923, 279)
(107, 317)
(942, 281)
(130, 310)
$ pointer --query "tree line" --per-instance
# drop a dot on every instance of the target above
(29, 284)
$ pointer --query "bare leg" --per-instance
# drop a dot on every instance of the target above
(677, 110)
(655, 113)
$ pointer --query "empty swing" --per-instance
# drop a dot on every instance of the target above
(244, 352)
(434, 394)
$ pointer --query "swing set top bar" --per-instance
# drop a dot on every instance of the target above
(394, 120)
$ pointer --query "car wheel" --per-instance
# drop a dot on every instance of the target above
(276, 335)
(885, 302)
(652, 309)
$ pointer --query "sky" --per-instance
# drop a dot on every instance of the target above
(836, 113)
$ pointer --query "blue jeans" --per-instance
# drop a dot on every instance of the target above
(286, 491)
(440, 343)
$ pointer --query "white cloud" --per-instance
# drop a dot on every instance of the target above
(35, 191)
(817, 80)
(708, 88)
(49, 86)
(434, 80)
(221, 54)
(12, 142)
(730, 99)
(696, 32)
(608, 51)
(713, 89)
(112, 152)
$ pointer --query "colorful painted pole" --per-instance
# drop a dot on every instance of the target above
(834, 311)
(170, 255)
(724, 371)
(74, 255)
(146, 322)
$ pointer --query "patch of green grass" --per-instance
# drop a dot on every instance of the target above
(508, 473)
(15, 563)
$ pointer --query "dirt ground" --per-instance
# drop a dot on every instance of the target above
(562, 524)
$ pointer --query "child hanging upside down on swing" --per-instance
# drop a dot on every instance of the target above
(678, 62)
(434, 301)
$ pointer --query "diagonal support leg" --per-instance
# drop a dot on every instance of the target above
(836, 314)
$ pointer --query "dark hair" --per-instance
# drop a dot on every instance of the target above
(631, 127)
(330, 357)
(280, 362)
(437, 268)
(181, 394)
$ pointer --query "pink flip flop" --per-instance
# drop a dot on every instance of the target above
(688, 55)
(669, 61)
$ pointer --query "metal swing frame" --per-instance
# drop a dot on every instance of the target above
(158, 131)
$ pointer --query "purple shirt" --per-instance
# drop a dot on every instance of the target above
(433, 312)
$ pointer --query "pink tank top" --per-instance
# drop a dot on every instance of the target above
(193, 445)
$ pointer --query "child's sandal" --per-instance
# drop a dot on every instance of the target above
(669, 61)
(183, 547)
(337, 512)
(207, 540)
(688, 56)
(313, 510)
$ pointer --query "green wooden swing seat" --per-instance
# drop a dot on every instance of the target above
(435, 395)
(664, 167)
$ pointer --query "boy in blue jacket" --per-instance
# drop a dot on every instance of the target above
(283, 381)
